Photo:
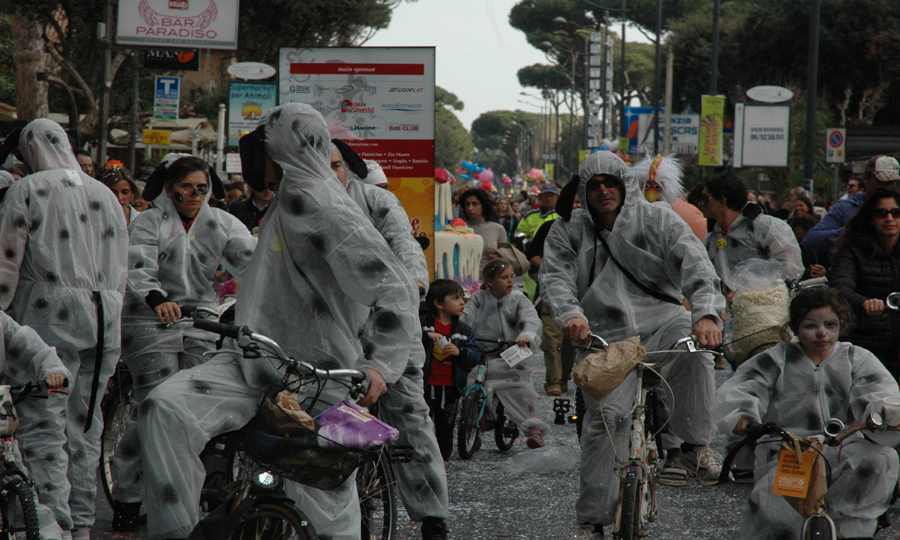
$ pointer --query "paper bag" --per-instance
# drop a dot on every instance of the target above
(601, 373)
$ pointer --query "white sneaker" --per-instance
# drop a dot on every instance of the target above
(586, 532)
(81, 533)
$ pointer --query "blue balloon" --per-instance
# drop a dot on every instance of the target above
(464, 176)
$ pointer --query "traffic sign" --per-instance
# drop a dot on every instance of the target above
(835, 145)
(166, 97)
(159, 137)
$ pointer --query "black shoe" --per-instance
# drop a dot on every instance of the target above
(126, 516)
(434, 528)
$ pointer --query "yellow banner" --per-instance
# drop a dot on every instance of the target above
(582, 155)
(549, 167)
(623, 145)
(712, 120)
(417, 197)
(156, 136)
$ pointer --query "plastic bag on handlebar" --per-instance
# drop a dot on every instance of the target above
(9, 420)
(348, 425)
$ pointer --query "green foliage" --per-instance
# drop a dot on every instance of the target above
(643, 12)
(544, 77)
(452, 143)
(7, 63)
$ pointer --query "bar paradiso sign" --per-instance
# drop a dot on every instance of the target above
(205, 24)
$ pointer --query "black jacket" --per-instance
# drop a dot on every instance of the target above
(463, 337)
(247, 212)
(858, 278)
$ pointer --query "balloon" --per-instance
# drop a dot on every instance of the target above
(475, 176)
(507, 181)
(464, 176)
(440, 175)
(486, 185)
(487, 175)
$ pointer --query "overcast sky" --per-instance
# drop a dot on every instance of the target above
(477, 52)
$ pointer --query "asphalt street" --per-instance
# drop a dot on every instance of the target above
(488, 503)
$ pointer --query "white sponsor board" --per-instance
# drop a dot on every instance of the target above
(685, 133)
(764, 136)
(207, 24)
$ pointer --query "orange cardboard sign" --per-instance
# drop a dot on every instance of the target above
(792, 477)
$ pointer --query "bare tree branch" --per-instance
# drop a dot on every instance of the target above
(73, 73)
(73, 105)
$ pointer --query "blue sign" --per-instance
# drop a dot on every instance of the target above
(166, 98)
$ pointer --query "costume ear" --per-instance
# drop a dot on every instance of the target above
(566, 199)
(252, 147)
(155, 183)
(218, 188)
(352, 159)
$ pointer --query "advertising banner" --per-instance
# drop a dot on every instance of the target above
(246, 103)
(685, 131)
(765, 135)
(712, 120)
(380, 100)
(207, 24)
(172, 60)
(165, 99)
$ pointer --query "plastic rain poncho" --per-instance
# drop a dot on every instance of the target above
(784, 386)
(65, 245)
(318, 259)
(180, 265)
(660, 250)
(764, 237)
(24, 357)
(422, 481)
(509, 318)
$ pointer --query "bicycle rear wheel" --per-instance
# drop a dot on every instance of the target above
(19, 514)
(505, 431)
(468, 426)
(268, 521)
(377, 499)
(628, 522)
(116, 407)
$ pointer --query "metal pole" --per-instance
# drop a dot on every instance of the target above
(623, 129)
(836, 179)
(714, 61)
(667, 132)
(103, 120)
(220, 144)
(135, 114)
(572, 117)
(656, 81)
(603, 77)
(585, 101)
(812, 76)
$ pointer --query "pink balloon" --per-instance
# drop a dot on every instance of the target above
(487, 175)
(507, 181)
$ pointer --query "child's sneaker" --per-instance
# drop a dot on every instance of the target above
(535, 438)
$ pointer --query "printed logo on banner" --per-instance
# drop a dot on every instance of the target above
(166, 24)
(356, 107)
(360, 128)
(403, 127)
(406, 90)
(301, 89)
(405, 107)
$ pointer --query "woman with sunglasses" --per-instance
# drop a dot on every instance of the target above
(174, 251)
(866, 269)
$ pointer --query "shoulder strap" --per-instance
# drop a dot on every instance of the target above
(655, 294)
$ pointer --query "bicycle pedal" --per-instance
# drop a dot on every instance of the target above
(401, 454)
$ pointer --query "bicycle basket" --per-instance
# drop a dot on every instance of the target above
(290, 449)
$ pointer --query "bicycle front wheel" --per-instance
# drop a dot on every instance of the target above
(377, 499)
(628, 522)
(468, 426)
(19, 514)
(818, 528)
(267, 521)
(116, 407)
(505, 432)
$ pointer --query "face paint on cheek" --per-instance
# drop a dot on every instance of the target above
(178, 197)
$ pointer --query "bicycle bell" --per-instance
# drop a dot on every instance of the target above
(834, 427)
(893, 301)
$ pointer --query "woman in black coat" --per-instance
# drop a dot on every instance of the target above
(866, 269)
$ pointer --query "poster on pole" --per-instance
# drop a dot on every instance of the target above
(205, 24)
(712, 120)
(246, 103)
(166, 98)
(380, 100)
(765, 135)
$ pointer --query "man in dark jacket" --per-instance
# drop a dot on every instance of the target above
(252, 209)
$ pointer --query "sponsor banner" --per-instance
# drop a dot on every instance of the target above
(380, 100)
(166, 97)
(712, 118)
(685, 131)
(173, 60)
(207, 24)
(246, 103)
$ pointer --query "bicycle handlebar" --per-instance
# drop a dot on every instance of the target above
(38, 389)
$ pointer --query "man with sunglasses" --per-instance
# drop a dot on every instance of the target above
(252, 210)
(620, 267)
(881, 172)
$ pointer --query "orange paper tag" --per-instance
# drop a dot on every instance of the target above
(792, 477)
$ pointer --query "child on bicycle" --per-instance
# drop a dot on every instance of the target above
(500, 313)
(26, 358)
(799, 385)
(450, 354)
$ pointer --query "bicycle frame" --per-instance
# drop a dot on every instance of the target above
(480, 376)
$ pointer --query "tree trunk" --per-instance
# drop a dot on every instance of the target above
(31, 61)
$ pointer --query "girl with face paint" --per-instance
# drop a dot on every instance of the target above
(800, 385)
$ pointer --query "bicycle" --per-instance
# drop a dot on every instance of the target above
(637, 505)
(818, 525)
(18, 511)
(255, 504)
(376, 485)
(472, 411)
